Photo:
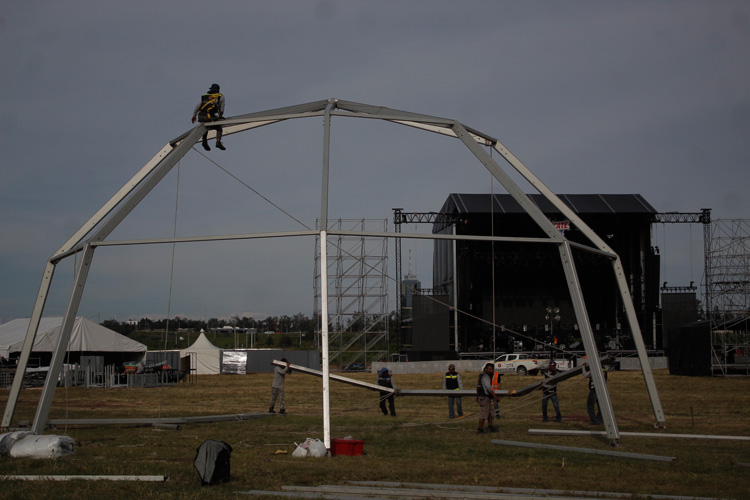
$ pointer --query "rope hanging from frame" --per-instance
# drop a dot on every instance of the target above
(492, 261)
(171, 283)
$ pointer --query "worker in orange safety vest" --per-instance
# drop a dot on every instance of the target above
(496, 387)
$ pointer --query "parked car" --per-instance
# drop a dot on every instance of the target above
(354, 367)
(522, 364)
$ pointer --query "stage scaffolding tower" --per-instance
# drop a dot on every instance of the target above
(726, 282)
(729, 278)
(357, 299)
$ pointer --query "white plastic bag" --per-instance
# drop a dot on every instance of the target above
(42, 447)
(7, 441)
(301, 451)
(310, 448)
(317, 449)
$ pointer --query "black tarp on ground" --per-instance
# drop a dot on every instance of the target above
(212, 461)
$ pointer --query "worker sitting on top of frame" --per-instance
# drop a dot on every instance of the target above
(210, 109)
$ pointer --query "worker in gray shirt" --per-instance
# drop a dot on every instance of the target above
(277, 386)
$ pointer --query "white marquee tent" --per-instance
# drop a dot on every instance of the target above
(87, 336)
(204, 356)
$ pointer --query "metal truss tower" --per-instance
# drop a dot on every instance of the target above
(357, 292)
(729, 278)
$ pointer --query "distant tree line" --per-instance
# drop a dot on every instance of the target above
(297, 331)
(279, 324)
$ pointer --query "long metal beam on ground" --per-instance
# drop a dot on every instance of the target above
(301, 494)
(398, 493)
(621, 454)
(401, 493)
(150, 421)
(367, 490)
(563, 432)
(83, 478)
(529, 492)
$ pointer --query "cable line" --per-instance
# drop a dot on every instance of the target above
(491, 323)
(253, 190)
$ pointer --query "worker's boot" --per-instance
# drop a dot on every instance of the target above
(206, 146)
(270, 410)
(282, 411)
(220, 146)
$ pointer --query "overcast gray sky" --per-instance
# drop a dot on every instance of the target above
(593, 96)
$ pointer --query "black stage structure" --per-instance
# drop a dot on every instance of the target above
(524, 279)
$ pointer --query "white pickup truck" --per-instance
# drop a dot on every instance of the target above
(521, 364)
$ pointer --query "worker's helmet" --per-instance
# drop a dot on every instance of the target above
(215, 87)
(451, 367)
(552, 364)
(383, 370)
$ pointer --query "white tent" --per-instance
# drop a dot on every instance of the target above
(86, 336)
(204, 356)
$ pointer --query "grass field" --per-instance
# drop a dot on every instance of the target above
(420, 445)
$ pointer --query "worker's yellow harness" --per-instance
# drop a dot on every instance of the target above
(209, 110)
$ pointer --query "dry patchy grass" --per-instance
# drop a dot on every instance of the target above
(420, 445)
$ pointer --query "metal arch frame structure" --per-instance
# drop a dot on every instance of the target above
(95, 231)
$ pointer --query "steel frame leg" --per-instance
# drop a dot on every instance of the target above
(617, 267)
(589, 344)
(640, 346)
(28, 344)
(50, 383)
